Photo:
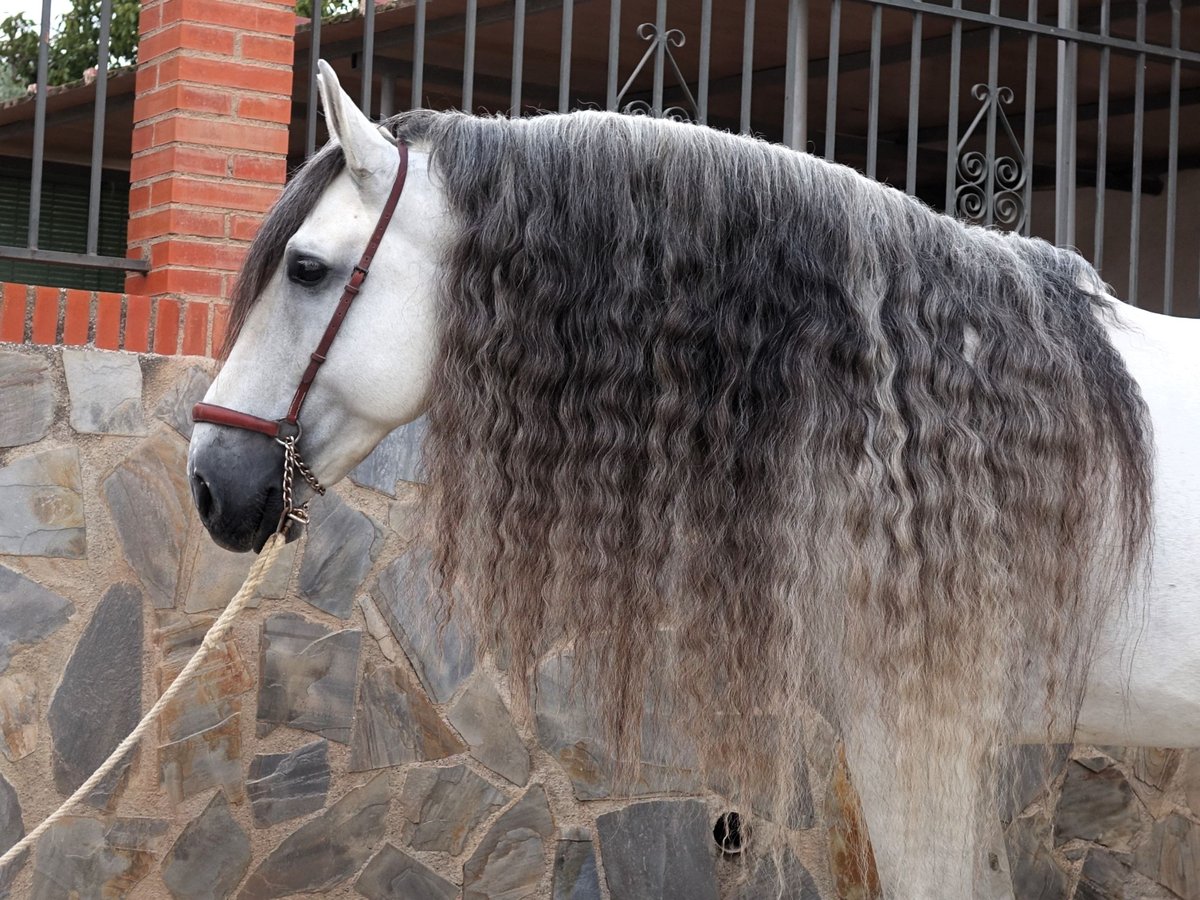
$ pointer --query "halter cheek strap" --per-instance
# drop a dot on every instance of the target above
(287, 430)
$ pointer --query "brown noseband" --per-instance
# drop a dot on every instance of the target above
(287, 430)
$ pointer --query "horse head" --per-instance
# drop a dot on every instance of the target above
(377, 373)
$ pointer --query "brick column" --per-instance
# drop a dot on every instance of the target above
(210, 136)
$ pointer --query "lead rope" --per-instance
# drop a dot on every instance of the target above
(292, 463)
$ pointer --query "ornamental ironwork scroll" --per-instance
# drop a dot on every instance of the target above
(990, 184)
(660, 40)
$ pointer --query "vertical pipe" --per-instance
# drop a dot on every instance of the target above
(368, 60)
(1102, 139)
(952, 112)
(660, 56)
(93, 220)
(831, 87)
(1030, 116)
(468, 89)
(314, 55)
(39, 127)
(518, 60)
(705, 55)
(747, 64)
(1065, 151)
(1172, 168)
(795, 95)
(614, 51)
(991, 153)
(914, 112)
(418, 73)
(1139, 124)
(873, 101)
(387, 95)
(564, 56)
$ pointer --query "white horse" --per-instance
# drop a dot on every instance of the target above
(1143, 685)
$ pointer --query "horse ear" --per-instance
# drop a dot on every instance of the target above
(369, 155)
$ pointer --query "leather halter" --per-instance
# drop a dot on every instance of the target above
(287, 430)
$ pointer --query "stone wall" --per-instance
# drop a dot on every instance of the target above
(334, 745)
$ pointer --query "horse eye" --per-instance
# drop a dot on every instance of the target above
(307, 271)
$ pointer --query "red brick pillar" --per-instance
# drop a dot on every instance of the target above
(210, 137)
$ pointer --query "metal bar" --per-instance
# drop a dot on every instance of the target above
(1139, 124)
(368, 57)
(873, 102)
(1172, 169)
(39, 128)
(747, 64)
(418, 78)
(795, 95)
(387, 94)
(831, 87)
(1030, 103)
(468, 82)
(993, 83)
(93, 220)
(85, 260)
(1101, 139)
(614, 54)
(705, 59)
(1065, 150)
(914, 102)
(952, 112)
(1060, 33)
(518, 60)
(314, 55)
(564, 57)
(660, 55)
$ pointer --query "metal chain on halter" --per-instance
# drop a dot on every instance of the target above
(293, 463)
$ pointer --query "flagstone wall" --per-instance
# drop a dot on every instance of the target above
(335, 745)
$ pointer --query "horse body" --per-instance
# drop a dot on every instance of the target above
(1143, 683)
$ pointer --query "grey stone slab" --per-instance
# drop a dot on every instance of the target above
(1170, 855)
(442, 661)
(282, 786)
(778, 880)
(74, 862)
(11, 827)
(442, 807)
(18, 716)
(1107, 876)
(1033, 768)
(480, 716)
(27, 398)
(326, 850)
(175, 407)
(106, 392)
(136, 833)
(148, 497)
(211, 575)
(275, 585)
(1155, 767)
(207, 758)
(342, 544)
(567, 729)
(510, 861)
(306, 676)
(575, 873)
(394, 875)
(210, 856)
(395, 723)
(41, 506)
(98, 701)
(396, 458)
(661, 848)
(1035, 873)
(1096, 806)
(28, 613)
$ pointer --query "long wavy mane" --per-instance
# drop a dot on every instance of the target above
(755, 434)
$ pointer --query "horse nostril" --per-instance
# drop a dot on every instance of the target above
(202, 495)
